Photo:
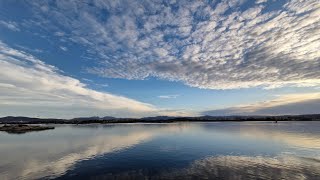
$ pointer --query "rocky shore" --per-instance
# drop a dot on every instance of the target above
(23, 128)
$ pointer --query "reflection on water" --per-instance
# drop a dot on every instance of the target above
(235, 167)
(246, 150)
(243, 167)
(53, 155)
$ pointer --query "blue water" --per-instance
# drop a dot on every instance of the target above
(222, 150)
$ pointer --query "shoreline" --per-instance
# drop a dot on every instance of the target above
(149, 122)
(156, 119)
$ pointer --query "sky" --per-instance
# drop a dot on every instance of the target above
(128, 58)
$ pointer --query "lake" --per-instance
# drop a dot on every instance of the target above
(217, 150)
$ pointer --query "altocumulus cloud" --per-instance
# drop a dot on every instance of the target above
(215, 45)
(31, 87)
(10, 25)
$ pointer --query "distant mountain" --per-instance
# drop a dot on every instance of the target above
(21, 119)
(85, 118)
(303, 117)
(156, 119)
(109, 118)
(93, 118)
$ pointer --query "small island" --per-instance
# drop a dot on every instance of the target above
(23, 128)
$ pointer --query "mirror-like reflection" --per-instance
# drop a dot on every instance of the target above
(246, 150)
(52, 155)
(235, 167)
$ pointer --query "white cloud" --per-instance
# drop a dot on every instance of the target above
(31, 87)
(222, 46)
(290, 104)
(10, 25)
(173, 96)
(63, 48)
(88, 80)
(34, 50)
(261, 1)
(59, 33)
(103, 85)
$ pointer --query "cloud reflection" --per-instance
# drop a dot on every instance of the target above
(295, 134)
(235, 167)
(243, 167)
(293, 153)
(43, 160)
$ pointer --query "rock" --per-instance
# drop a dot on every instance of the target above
(23, 128)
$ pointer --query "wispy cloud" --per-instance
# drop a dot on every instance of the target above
(103, 85)
(63, 48)
(217, 45)
(33, 50)
(10, 25)
(290, 104)
(31, 87)
(59, 33)
(261, 1)
(87, 80)
(173, 96)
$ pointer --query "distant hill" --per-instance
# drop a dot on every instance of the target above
(93, 118)
(21, 119)
(156, 119)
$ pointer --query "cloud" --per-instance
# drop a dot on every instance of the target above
(33, 50)
(173, 96)
(87, 80)
(261, 1)
(59, 33)
(63, 48)
(10, 25)
(28, 86)
(291, 104)
(217, 45)
(103, 85)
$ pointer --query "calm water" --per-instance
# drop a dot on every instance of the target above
(241, 150)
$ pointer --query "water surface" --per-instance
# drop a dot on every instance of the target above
(222, 150)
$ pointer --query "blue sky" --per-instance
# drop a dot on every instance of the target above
(148, 58)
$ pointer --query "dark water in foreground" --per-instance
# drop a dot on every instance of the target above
(229, 150)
